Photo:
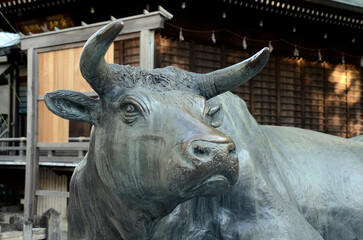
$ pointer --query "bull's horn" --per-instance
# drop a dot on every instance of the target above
(93, 66)
(223, 80)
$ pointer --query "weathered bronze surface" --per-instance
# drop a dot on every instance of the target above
(174, 155)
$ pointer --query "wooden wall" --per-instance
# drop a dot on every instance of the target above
(59, 70)
(49, 180)
(289, 91)
(127, 52)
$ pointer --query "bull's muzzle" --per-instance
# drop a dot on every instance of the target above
(205, 151)
(215, 163)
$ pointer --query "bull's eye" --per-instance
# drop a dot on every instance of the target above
(130, 108)
(215, 115)
(130, 112)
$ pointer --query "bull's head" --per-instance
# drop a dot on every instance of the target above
(155, 138)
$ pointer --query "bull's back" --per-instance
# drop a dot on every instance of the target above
(319, 174)
(325, 174)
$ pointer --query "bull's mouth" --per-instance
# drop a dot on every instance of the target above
(213, 185)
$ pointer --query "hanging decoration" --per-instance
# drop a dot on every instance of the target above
(343, 59)
(270, 46)
(183, 6)
(261, 23)
(224, 15)
(181, 38)
(296, 52)
(214, 37)
(294, 29)
(320, 57)
(244, 43)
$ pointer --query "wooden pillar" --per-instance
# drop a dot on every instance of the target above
(147, 46)
(17, 102)
(302, 87)
(325, 98)
(157, 57)
(192, 55)
(32, 164)
(11, 102)
(278, 90)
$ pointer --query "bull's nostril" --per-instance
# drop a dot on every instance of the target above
(232, 149)
(201, 151)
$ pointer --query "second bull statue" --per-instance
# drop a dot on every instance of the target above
(174, 155)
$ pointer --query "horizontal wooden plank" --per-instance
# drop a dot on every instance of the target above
(49, 193)
(11, 158)
(22, 139)
(11, 148)
(63, 146)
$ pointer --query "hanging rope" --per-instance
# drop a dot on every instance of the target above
(267, 42)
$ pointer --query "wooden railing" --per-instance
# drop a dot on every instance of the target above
(13, 151)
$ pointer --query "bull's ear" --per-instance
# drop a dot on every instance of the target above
(73, 106)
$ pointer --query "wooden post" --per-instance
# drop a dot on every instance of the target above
(147, 47)
(192, 55)
(11, 104)
(22, 145)
(278, 90)
(302, 84)
(51, 221)
(28, 230)
(17, 102)
(32, 166)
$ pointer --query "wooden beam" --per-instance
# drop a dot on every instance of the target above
(151, 21)
(52, 193)
(147, 48)
(32, 167)
(63, 146)
(302, 85)
(278, 90)
(80, 44)
(192, 55)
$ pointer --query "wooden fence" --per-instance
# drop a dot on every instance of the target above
(13, 151)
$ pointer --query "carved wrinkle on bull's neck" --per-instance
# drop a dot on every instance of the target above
(134, 218)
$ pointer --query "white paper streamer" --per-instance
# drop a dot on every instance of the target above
(213, 37)
(343, 59)
(270, 46)
(244, 43)
(320, 57)
(181, 38)
(296, 52)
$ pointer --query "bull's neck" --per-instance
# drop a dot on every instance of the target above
(130, 218)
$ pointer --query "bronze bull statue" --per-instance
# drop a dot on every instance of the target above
(174, 155)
